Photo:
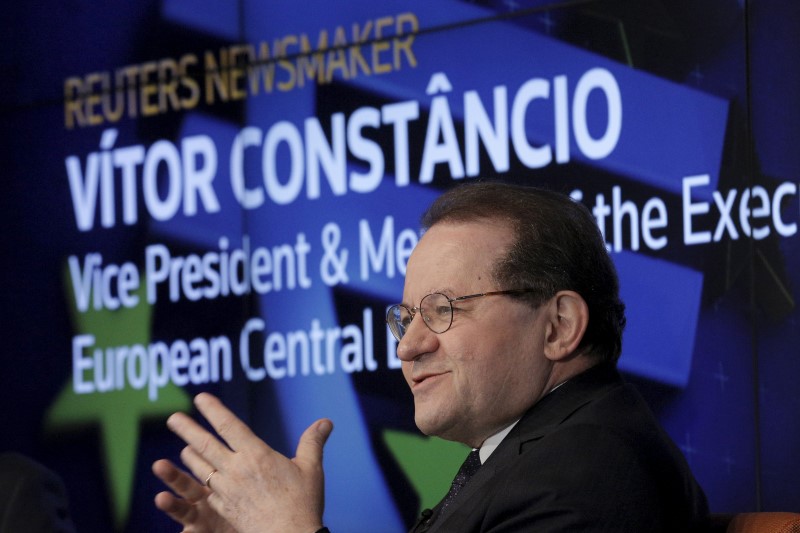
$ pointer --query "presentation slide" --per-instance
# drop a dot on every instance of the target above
(222, 196)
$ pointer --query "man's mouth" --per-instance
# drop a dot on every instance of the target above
(426, 376)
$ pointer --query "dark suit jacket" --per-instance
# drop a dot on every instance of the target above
(590, 456)
(32, 497)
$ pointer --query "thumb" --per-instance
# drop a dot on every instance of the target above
(312, 441)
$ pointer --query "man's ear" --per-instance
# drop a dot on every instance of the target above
(568, 317)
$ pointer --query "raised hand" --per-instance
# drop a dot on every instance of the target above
(187, 504)
(251, 487)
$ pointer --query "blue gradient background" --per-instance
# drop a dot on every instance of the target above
(712, 342)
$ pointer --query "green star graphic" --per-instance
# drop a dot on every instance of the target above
(117, 413)
(429, 463)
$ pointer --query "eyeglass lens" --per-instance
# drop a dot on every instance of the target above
(435, 309)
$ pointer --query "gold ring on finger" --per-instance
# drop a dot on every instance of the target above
(207, 482)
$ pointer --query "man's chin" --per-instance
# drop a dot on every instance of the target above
(425, 425)
(433, 426)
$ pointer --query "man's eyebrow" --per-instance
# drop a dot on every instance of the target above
(446, 291)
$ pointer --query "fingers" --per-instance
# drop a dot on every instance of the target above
(203, 442)
(205, 452)
(312, 441)
(179, 481)
(250, 476)
(178, 509)
(225, 423)
(182, 509)
(199, 467)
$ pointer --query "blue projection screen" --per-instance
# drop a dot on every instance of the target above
(218, 196)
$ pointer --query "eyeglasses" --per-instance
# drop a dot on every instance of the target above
(436, 310)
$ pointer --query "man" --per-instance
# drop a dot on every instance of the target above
(509, 334)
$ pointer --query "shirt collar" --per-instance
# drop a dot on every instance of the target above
(491, 444)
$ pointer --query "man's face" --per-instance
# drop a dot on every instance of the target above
(489, 367)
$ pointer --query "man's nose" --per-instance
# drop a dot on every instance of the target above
(417, 341)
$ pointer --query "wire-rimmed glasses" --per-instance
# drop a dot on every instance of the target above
(436, 310)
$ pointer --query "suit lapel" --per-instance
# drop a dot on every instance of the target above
(541, 419)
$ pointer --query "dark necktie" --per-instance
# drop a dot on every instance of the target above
(467, 470)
